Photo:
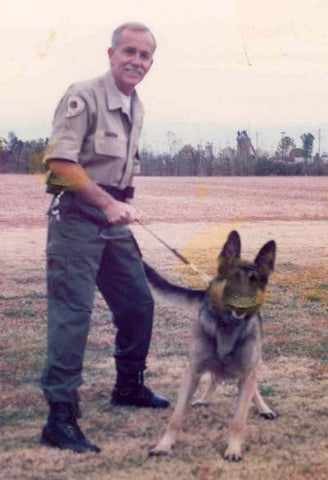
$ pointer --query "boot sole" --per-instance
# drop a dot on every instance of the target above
(120, 403)
(48, 442)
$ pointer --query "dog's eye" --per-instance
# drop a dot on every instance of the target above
(253, 276)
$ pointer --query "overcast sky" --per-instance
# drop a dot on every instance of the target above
(220, 66)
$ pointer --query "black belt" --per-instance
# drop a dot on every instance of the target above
(117, 193)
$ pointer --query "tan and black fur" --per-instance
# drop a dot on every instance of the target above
(227, 338)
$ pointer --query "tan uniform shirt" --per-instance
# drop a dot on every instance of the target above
(92, 127)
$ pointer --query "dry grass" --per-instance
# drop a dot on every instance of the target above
(294, 377)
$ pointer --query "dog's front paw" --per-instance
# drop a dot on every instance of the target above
(163, 448)
(233, 454)
(155, 452)
(159, 452)
(269, 415)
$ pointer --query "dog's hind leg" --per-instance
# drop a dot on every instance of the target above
(246, 391)
(188, 387)
(205, 399)
(262, 407)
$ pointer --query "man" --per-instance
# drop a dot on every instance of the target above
(91, 159)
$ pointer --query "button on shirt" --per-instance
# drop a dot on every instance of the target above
(93, 126)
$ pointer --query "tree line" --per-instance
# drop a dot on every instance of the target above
(201, 161)
(18, 156)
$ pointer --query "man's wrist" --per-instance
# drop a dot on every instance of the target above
(96, 196)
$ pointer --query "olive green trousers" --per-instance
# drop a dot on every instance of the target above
(84, 251)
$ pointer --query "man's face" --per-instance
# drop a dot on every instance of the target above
(131, 59)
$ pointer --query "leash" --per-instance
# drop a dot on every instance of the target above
(55, 211)
(175, 252)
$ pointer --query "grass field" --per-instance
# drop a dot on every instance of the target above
(193, 215)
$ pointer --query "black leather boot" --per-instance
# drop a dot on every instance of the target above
(62, 430)
(130, 390)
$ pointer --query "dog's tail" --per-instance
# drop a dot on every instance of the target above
(169, 289)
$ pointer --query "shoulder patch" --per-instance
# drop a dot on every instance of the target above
(75, 106)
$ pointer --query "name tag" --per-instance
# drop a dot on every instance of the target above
(110, 134)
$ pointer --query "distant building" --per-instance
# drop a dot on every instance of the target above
(296, 155)
(324, 158)
(228, 153)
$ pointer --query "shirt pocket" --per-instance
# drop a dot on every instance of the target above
(110, 147)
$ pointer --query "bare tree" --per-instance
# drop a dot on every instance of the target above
(285, 146)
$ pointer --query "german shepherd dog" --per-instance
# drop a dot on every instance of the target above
(226, 340)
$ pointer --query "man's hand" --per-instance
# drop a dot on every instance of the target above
(119, 213)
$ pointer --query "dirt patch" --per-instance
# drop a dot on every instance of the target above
(193, 215)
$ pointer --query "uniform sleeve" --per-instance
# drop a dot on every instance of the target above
(69, 128)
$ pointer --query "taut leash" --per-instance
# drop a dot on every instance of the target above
(175, 252)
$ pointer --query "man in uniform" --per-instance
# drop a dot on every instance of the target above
(91, 160)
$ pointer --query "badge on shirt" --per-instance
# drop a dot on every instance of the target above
(75, 106)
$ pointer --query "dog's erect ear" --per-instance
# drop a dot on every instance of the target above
(231, 250)
(266, 257)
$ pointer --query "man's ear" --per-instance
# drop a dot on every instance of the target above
(110, 52)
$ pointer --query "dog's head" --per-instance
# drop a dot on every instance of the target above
(238, 289)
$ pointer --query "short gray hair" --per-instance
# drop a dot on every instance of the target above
(131, 26)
